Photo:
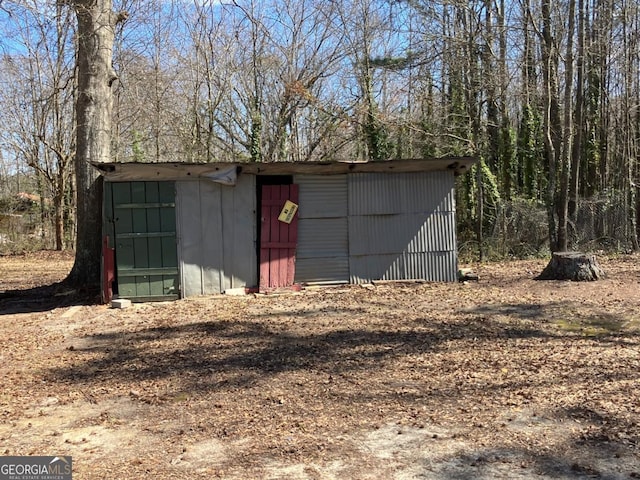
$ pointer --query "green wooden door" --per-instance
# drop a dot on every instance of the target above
(145, 240)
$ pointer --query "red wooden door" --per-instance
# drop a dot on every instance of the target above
(278, 239)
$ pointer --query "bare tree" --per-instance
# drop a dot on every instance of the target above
(253, 77)
(551, 122)
(363, 23)
(38, 104)
(545, 93)
(578, 149)
(567, 134)
(95, 34)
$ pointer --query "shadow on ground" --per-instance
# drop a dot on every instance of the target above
(216, 354)
(45, 298)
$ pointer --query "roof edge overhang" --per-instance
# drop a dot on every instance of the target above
(132, 171)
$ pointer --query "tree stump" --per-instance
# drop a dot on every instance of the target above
(575, 266)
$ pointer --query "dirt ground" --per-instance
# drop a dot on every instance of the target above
(507, 377)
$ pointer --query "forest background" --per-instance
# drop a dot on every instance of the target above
(545, 94)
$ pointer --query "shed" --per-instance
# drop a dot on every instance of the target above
(175, 230)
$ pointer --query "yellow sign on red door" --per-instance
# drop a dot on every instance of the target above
(288, 211)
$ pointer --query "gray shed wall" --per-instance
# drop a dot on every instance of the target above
(354, 225)
(369, 226)
(216, 235)
(352, 228)
(322, 255)
(402, 226)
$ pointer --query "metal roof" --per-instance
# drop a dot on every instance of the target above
(130, 171)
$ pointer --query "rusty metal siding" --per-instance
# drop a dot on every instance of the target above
(323, 248)
(402, 226)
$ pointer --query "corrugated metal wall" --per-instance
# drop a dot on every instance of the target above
(376, 226)
(384, 193)
(323, 243)
(402, 226)
(216, 235)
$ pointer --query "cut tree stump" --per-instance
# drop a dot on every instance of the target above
(576, 266)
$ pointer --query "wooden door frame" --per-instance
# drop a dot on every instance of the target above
(276, 255)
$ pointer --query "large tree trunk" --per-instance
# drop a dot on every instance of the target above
(96, 26)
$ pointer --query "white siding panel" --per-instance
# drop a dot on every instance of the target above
(239, 234)
(216, 237)
(189, 237)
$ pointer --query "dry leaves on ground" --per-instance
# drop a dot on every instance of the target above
(507, 377)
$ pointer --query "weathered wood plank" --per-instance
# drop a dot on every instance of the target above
(181, 171)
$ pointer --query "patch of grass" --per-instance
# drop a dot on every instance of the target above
(591, 326)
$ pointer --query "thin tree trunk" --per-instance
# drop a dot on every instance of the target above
(527, 138)
(42, 206)
(578, 147)
(567, 137)
(550, 92)
(489, 82)
(505, 124)
(629, 148)
(635, 174)
(58, 207)
(604, 38)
